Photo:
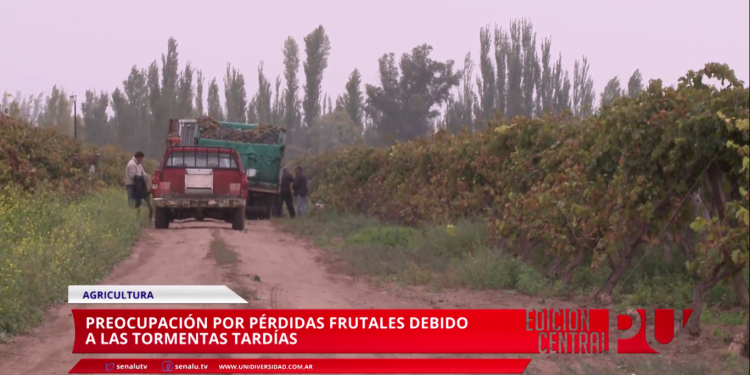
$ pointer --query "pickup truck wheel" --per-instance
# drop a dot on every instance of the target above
(277, 206)
(269, 209)
(238, 220)
(161, 219)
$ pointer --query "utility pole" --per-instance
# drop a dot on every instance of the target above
(75, 116)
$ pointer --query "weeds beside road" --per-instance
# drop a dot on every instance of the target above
(48, 242)
(59, 224)
(455, 256)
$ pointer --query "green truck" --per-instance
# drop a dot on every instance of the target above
(262, 162)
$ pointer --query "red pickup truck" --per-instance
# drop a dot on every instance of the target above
(200, 182)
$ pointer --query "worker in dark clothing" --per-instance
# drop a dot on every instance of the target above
(300, 190)
(142, 191)
(286, 190)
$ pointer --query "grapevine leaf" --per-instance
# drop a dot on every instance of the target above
(698, 225)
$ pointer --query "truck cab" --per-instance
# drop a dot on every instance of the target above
(200, 182)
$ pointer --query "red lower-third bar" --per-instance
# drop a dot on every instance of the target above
(300, 366)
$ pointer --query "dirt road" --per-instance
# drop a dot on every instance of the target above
(270, 269)
(289, 274)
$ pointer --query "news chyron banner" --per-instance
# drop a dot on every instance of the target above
(244, 331)
(152, 294)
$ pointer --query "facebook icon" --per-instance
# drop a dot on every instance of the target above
(167, 366)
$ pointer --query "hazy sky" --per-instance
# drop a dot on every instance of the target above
(85, 44)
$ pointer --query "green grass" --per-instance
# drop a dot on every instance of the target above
(440, 256)
(458, 257)
(221, 253)
(226, 257)
(48, 242)
(735, 317)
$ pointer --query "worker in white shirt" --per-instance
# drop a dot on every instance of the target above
(134, 168)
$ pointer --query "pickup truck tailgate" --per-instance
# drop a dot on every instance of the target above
(199, 181)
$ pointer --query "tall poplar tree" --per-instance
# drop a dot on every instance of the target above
(199, 109)
(215, 110)
(352, 100)
(583, 89)
(235, 96)
(635, 84)
(502, 56)
(317, 49)
(292, 116)
(486, 84)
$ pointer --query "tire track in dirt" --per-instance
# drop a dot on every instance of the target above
(274, 300)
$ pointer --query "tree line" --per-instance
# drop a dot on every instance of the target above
(415, 95)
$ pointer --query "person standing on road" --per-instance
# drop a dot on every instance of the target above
(133, 169)
(300, 190)
(286, 190)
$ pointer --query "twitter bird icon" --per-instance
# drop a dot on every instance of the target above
(109, 366)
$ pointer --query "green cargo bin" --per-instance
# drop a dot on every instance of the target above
(266, 159)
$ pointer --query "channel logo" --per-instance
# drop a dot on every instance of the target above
(663, 330)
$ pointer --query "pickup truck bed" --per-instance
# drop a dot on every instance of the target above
(200, 182)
